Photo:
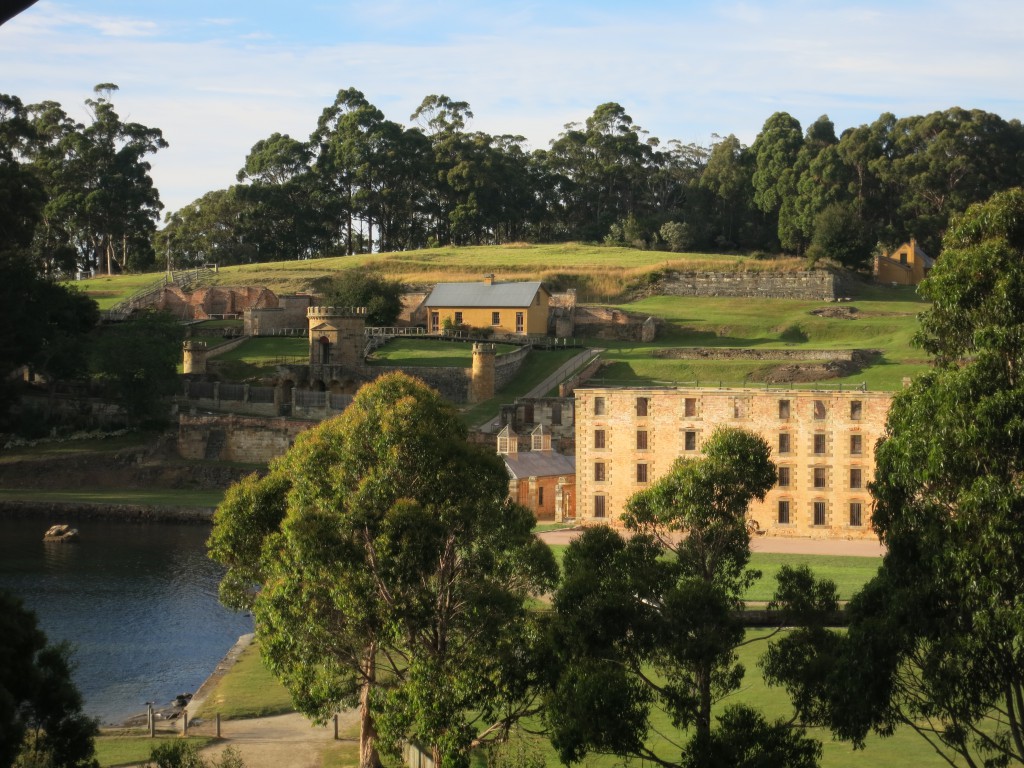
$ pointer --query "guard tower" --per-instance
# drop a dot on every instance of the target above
(336, 335)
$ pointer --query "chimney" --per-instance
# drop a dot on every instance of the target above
(488, 279)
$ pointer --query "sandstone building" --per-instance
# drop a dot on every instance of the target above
(540, 478)
(822, 442)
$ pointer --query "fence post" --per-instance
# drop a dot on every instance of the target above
(150, 720)
(218, 725)
(335, 726)
(184, 722)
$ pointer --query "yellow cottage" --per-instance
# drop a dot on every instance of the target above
(519, 308)
(907, 265)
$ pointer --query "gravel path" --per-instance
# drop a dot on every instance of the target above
(282, 741)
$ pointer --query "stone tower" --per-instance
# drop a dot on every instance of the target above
(194, 355)
(336, 335)
(481, 385)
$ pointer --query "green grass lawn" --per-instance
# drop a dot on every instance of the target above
(849, 573)
(885, 320)
(159, 497)
(247, 690)
(93, 445)
(258, 357)
(426, 352)
(118, 748)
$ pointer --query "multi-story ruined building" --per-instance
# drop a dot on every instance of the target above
(823, 443)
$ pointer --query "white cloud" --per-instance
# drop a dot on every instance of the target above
(681, 73)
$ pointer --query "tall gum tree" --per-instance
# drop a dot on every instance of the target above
(386, 568)
(649, 623)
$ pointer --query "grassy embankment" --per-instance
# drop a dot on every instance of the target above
(598, 273)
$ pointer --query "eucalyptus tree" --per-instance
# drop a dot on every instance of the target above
(727, 178)
(284, 212)
(605, 165)
(102, 198)
(649, 623)
(216, 228)
(775, 152)
(386, 568)
(935, 640)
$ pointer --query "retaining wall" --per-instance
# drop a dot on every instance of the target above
(812, 285)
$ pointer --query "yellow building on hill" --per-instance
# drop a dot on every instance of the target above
(823, 443)
(906, 265)
(517, 308)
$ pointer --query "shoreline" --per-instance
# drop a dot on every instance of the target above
(202, 693)
(88, 510)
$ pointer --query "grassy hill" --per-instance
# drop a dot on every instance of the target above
(880, 318)
(598, 273)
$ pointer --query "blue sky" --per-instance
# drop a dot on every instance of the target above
(217, 76)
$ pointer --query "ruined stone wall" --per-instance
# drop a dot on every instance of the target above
(203, 303)
(811, 285)
(288, 315)
(607, 323)
(230, 437)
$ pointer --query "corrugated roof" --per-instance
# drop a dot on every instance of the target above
(483, 295)
(539, 464)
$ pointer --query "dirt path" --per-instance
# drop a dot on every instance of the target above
(276, 742)
(795, 546)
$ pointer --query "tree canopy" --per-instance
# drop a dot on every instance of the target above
(934, 640)
(386, 567)
(41, 720)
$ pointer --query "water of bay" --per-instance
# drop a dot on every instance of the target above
(138, 603)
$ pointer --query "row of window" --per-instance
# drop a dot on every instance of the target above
(495, 318)
(819, 476)
(740, 406)
(785, 443)
(819, 513)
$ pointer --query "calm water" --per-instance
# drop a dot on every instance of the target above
(137, 601)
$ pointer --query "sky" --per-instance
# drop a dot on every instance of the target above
(216, 76)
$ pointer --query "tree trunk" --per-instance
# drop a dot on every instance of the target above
(368, 755)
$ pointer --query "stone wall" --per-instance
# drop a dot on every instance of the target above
(811, 285)
(452, 383)
(607, 323)
(722, 353)
(507, 366)
(229, 437)
(289, 316)
(204, 303)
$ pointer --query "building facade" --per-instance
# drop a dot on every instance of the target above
(906, 265)
(823, 443)
(540, 478)
(511, 309)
